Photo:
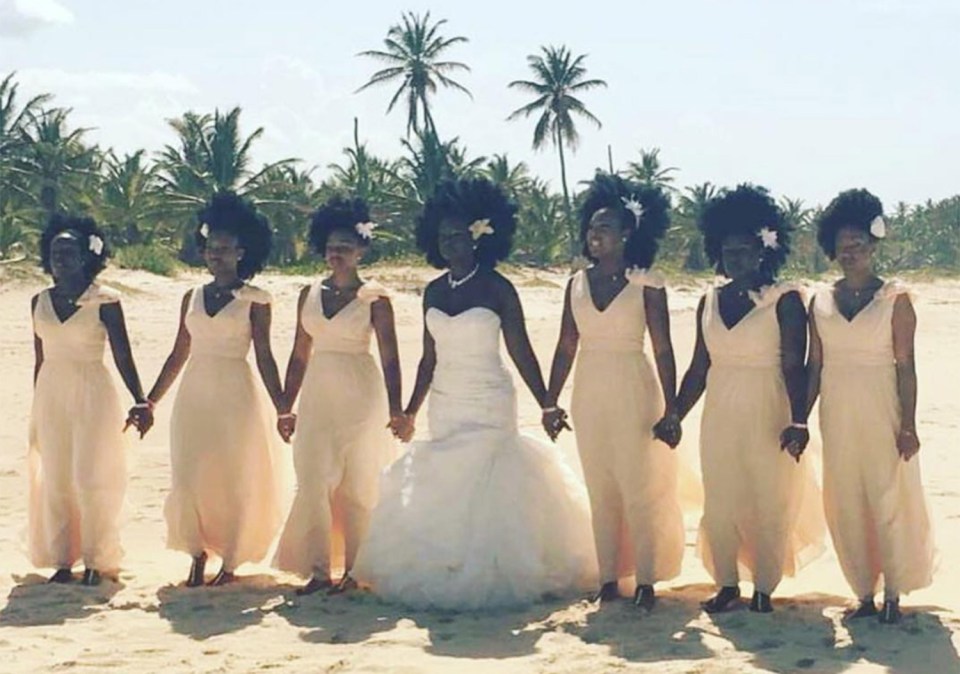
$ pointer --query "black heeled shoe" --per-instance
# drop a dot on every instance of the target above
(314, 585)
(91, 578)
(195, 579)
(866, 609)
(722, 601)
(223, 577)
(61, 576)
(346, 584)
(890, 613)
(645, 597)
(761, 603)
(607, 592)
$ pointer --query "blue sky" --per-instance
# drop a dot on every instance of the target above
(806, 98)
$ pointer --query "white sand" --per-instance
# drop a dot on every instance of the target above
(149, 623)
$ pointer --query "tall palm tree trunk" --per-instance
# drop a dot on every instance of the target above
(566, 197)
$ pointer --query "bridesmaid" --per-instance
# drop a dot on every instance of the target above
(760, 502)
(77, 462)
(224, 495)
(617, 402)
(341, 440)
(862, 367)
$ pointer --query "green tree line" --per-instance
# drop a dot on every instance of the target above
(146, 200)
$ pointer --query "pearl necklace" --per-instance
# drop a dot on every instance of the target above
(456, 283)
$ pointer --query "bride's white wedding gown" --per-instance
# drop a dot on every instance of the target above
(479, 516)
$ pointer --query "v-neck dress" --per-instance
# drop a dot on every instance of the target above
(224, 496)
(873, 499)
(342, 443)
(76, 457)
(762, 516)
(631, 477)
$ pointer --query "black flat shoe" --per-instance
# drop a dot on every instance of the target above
(890, 613)
(91, 578)
(722, 601)
(760, 603)
(645, 597)
(607, 592)
(61, 576)
(314, 585)
(195, 579)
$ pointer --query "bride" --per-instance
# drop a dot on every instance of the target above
(479, 516)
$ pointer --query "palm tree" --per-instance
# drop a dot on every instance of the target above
(511, 178)
(412, 53)
(649, 171)
(690, 208)
(129, 198)
(559, 77)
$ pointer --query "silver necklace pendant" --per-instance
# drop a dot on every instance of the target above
(456, 283)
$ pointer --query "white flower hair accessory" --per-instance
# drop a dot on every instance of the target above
(365, 229)
(769, 238)
(95, 244)
(205, 231)
(634, 206)
(878, 227)
(480, 228)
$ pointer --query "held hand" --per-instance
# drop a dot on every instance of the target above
(794, 440)
(140, 418)
(908, 444)
(554, 422)
(286, 425)
(668, 430)
(402, 427)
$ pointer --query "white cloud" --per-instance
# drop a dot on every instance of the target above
(19, 18)
(56, 81)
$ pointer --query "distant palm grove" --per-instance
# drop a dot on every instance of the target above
(147, 200)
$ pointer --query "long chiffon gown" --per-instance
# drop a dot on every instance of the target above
(224, 496)
(479, 516)
(630, 476)
(873, 499)
(76, 456)
(342, 443)
(762, 517)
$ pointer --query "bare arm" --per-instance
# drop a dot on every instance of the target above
(658, 323)
(260, 318)
(428, 362)
(904, 330)
(381, 314)
(792, 317)
(565, 352)
(177, 358)
(695, 379)
(518, 342)
(814, 361)
(112, 317)
(37, 343)
(299, 355)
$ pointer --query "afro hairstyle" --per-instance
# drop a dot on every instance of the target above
(468, 200)
(854, 208)
(745, 211)
(84, 228)
(230, 213)
(610, 191)
(338, 214)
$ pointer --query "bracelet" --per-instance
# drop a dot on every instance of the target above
(285, 416)
(147, 404)
(802, 427)
(549, 410)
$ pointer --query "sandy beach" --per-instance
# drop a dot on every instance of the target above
(149, 622)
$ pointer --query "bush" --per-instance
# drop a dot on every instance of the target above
(152, 258)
